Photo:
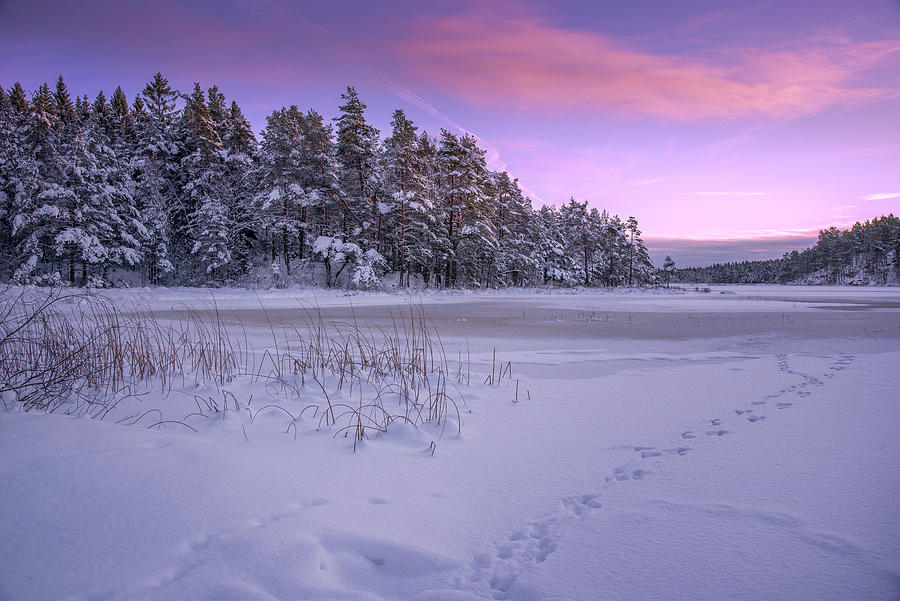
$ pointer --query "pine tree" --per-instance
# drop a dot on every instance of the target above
(218, 111)
(155, 161)
(281, 198)
(556, 264)
(357, 155)
(426, 232)
(463, 190)
(104, 228)
(9, 160)
(514, 219)
(207, 220)
(615, 250)
(403, 187)
(579, 227)
(668, 270)
(477, 251)
(318, 176)
(100, 111)
(65, 110)
(39, 210)
(17, 99)
(631, 225)
(240, 148)
(119, 103)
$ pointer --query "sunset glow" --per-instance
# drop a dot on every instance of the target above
(730, 131)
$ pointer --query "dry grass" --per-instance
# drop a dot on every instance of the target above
(79, 354)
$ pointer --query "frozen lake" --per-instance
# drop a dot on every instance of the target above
(738, 443)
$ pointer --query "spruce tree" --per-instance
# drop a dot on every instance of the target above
(357, 145)
(18, 100)
(155, 160)
(668, 270)
(41, 203)
(477, 249)
(9, 159)
(514, 221)
(119, 104)
(403, 188)
(240, 151)
(319, 179)
(207, 222)
(65, 109)
(280, 198)
(104, 228)
(576, 222)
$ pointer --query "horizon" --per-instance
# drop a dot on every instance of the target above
(729, 133)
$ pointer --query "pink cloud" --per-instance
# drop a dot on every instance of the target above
(531, 64)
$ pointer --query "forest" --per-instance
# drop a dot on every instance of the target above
(867, 253)
(175, 188)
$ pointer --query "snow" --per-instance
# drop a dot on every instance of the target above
(736, 444)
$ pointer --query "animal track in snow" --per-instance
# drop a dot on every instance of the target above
(800, 389)
(623, 473)
(498, 571)
(839, 365)
(495, 573)
(718, 432)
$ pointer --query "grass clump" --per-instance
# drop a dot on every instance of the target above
(80, 354)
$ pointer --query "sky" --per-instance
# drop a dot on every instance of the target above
(730, 130)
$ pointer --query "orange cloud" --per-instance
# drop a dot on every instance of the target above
(530, 64)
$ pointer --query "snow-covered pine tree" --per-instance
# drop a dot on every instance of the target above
(280, 198)
(580, 232)
(403, 200)
(120, 126)
(318, 177)
(668, 270)
(426, 232)
(477, 250)
(357, 157)
(218, 111)
(208, 224)
(241, 149)
(644, 271)
(104, 228)
(39, 209)
(155, 162)
(463, 190)
(100, 111)
(514, 219)
(18, 99)
(631, 226)
(119, 105)
(553, 262)
(613, 243)
(8, 162)
(65, 109)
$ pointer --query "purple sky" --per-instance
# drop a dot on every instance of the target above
(731, 130)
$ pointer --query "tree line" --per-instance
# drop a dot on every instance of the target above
(867, 253)
(175, 189)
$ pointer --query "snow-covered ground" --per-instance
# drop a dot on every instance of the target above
(739, 443)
